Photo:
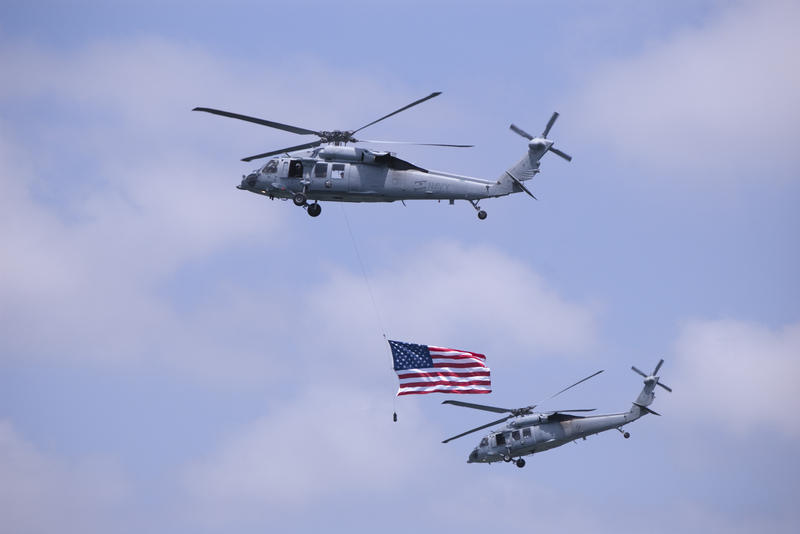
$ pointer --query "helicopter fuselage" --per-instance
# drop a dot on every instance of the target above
(351, 174)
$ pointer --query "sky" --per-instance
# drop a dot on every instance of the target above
(180, 356)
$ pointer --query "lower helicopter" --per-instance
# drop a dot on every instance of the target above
(531, 432)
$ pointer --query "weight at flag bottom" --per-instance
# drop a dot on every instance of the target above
(425, 369)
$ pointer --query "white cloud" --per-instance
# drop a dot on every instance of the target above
(327, 443)
(739, 375)
(450, 294)
(714, 103)
(40, 493)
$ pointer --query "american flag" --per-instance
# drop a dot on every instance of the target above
(423, 369)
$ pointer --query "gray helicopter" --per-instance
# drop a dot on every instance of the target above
(531, 432)
(329, 170)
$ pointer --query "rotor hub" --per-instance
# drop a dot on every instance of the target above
(336, 136)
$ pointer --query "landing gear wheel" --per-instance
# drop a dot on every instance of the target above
(506, 458)
(299, 199)
(314, 209)
(626, 435)
(481, 215)
(520, 463)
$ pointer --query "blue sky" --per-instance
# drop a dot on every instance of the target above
(177, 355)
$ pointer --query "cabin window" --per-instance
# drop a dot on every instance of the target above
(321, 170)
(515, 435)
(271, 167)
(337, 171)
(500, 439)
(296, 169)
(526, 432)
(484, 442)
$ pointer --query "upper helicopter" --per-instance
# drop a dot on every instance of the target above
(530, 432)
(327, 169)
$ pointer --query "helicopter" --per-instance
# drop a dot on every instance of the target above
(327, 169)
(531, 432)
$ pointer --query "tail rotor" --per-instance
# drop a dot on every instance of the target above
(543, 140)
(653, 376)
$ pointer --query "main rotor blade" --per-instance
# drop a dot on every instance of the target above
(559, 153)
(550, 124)
(660, 363)
(411, 143)
(494, 409)
(263, 122)
(420, 101)
(487, 425)
(635, 369)
(576, 410)
(283, 150)
(575, 384)
(521, 132)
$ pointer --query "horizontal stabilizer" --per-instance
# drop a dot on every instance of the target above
(646, 409)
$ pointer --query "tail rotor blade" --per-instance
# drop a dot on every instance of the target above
(665, 386)
(660, 363)
(550, 124)
(557, 152)
(635, 369)
(516, 129)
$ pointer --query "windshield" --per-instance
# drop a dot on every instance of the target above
(271, 167)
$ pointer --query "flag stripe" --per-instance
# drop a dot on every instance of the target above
(455, 357)
(443, 373)
(446, 383)
(451, 381)
(417, 391)
(458, 365)
(455, 351)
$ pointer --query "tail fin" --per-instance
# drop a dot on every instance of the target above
(647, 395)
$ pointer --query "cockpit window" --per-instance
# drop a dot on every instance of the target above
(271, 167)
(484, 442)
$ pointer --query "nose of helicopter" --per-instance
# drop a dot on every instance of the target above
(473, 457)
(249, 181)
